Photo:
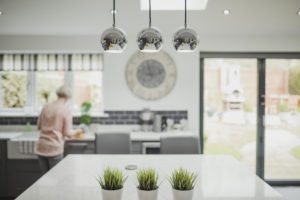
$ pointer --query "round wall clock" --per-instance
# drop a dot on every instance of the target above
(151, 76)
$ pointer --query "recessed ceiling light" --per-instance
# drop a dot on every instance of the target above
(226, 12)
(1, 12)
(113, 11)
(298, 13)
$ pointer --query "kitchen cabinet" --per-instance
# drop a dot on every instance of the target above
(148, 147)
(136, 147)
(21, 175)
(79, 147)
(23, 170)
(3, 174)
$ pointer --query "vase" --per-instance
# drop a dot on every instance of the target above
(148, 194)
(112, 194)
(183, 194)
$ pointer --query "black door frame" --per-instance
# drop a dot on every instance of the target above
(261, 70)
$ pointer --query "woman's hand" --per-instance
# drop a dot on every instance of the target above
(78, 134)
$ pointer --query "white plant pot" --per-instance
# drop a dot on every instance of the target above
(112, 194)
(147, 195)
(183, 194)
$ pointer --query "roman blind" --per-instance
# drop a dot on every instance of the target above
(51, 62)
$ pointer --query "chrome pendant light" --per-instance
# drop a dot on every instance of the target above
(113, 40)
(185, 39)
(150, 39)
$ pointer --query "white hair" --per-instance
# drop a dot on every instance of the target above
(64, 92)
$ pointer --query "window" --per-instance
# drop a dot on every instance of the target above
(87, 87)
(262, 129)
(13, 90)
(28, 82)
(46, 85)
(282, 128)
(230, 108)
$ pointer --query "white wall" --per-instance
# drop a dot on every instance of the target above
(185, 95)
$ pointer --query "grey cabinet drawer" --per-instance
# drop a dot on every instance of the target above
(136, 147)
(80, 147)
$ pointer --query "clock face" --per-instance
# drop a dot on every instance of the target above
(151, 76)
(151, 73)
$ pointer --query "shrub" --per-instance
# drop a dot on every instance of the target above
(294, 80)
(283, 107)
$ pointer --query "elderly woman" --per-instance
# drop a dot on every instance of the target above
(54, 124)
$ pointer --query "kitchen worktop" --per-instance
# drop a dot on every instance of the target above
(135, 136)
(34, 137)
(9, 136)
(219, 177)
(21, 145)
(155, 136)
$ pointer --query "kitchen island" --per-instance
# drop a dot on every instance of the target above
(219, 177)
(19, 166)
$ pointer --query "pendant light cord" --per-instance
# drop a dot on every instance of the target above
(114, 13)
(185, 23)
(150, 13)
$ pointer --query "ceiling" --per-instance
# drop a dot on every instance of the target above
(91, 17)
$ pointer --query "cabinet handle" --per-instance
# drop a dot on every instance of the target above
(79, 144)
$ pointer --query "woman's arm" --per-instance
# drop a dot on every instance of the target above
(67, 126)
(39, 121)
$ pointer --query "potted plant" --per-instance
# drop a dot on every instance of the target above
(112, 183)
(183, 183)
(147, 184)
(85, 119)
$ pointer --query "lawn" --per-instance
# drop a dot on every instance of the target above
(228, 138)
(296, 152)
(222, 149)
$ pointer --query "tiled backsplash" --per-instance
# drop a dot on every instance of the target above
(115, 117)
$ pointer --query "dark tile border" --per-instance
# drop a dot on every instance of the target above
(115, 117)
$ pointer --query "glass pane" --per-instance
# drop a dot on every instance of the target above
(282, 122)
(14, 89)
(88, 87)
(46, 85)
(230, 91)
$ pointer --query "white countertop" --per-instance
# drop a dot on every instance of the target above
(9, 136)
(135, 136)
(219, 177)
(155, 136)
(35, 136)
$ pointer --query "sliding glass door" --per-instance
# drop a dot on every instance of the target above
(250, 109)
(230, 88)
(282, 119)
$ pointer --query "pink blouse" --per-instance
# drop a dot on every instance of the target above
(54, 124)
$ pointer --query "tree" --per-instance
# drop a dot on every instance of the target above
(294, 80)
(14, 90)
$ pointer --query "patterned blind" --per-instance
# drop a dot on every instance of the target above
(51, 62)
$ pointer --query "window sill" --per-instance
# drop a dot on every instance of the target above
(22, 114)
(102, 115)
(17, 114)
